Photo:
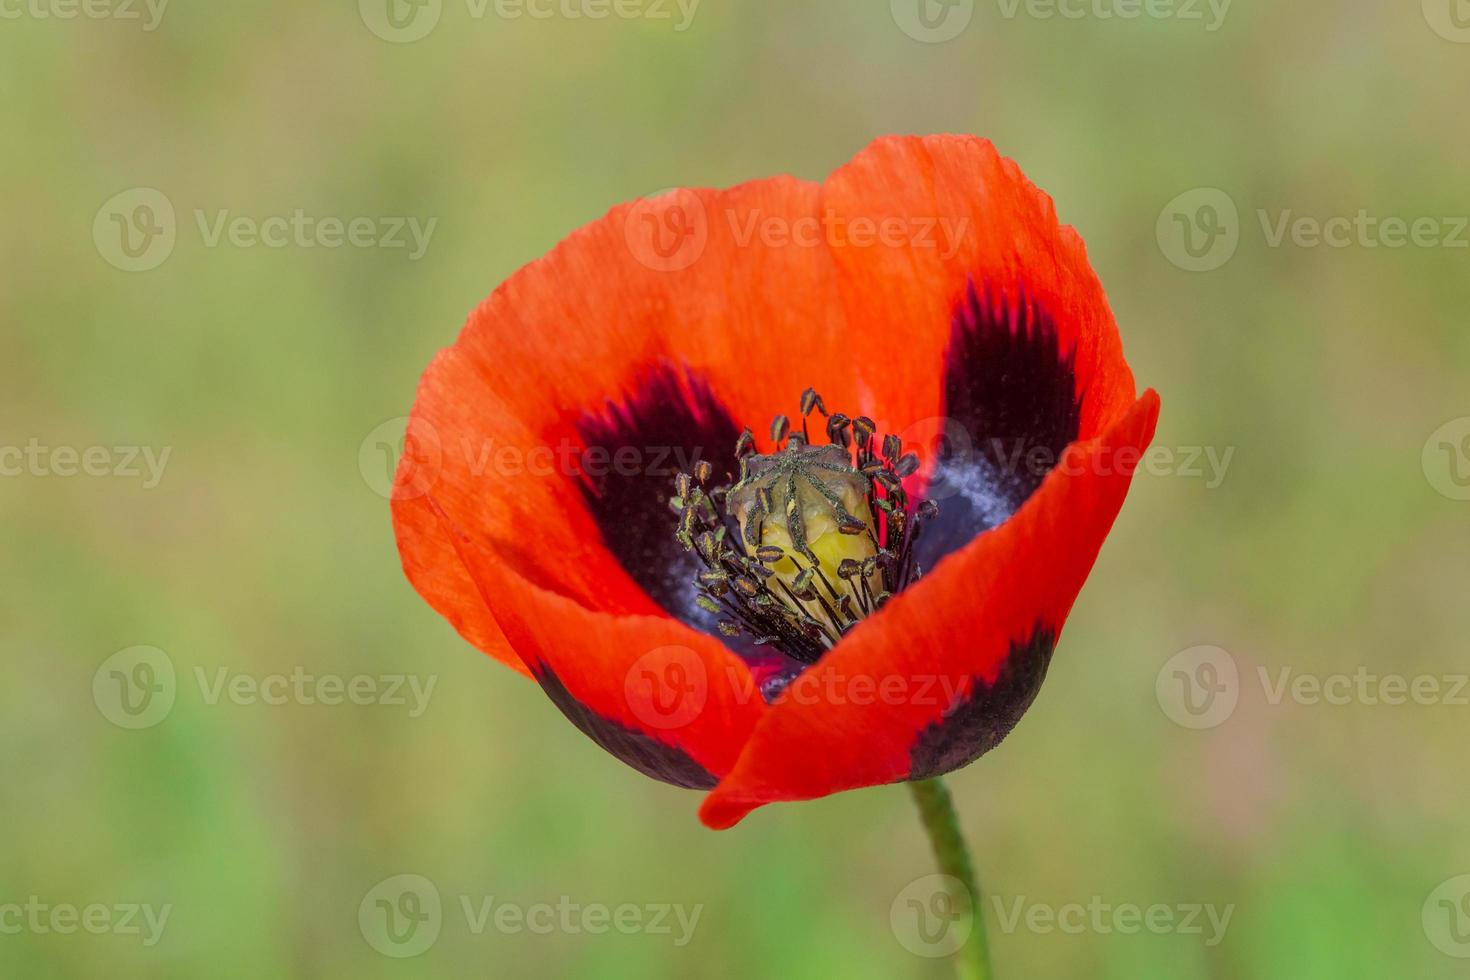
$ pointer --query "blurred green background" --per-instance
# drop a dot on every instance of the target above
(1335, 542)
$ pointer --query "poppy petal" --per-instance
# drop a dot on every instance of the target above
(433, 567)
(991, 311)
(601, 330)
(671, 702)
(941, 673)
(1011, 409)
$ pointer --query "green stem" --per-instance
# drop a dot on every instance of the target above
(936, 810)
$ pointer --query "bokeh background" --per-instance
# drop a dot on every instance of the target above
(1335, 543)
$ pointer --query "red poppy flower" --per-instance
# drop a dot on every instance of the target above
(783, 620)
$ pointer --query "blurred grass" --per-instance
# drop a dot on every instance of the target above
(263, 548)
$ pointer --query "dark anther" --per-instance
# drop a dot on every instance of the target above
(802, 585)
(795, 522)
(752, 529)
(837, 429)
(745, 444)
(780, 426)
(892, 446)
(766, 499)
(682, 486)
(907, 465)
(703, 471)
(769, 553)
(863, 427)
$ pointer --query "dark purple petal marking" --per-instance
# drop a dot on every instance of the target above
(664, 425)
(977, 723)
(643, 752)
(1012, 391)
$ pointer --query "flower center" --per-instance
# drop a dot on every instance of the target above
(810, 539)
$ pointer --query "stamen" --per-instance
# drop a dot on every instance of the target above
(809, 539)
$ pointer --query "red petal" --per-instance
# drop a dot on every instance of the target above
(953, 629)
(672, 702)
(964, 215)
